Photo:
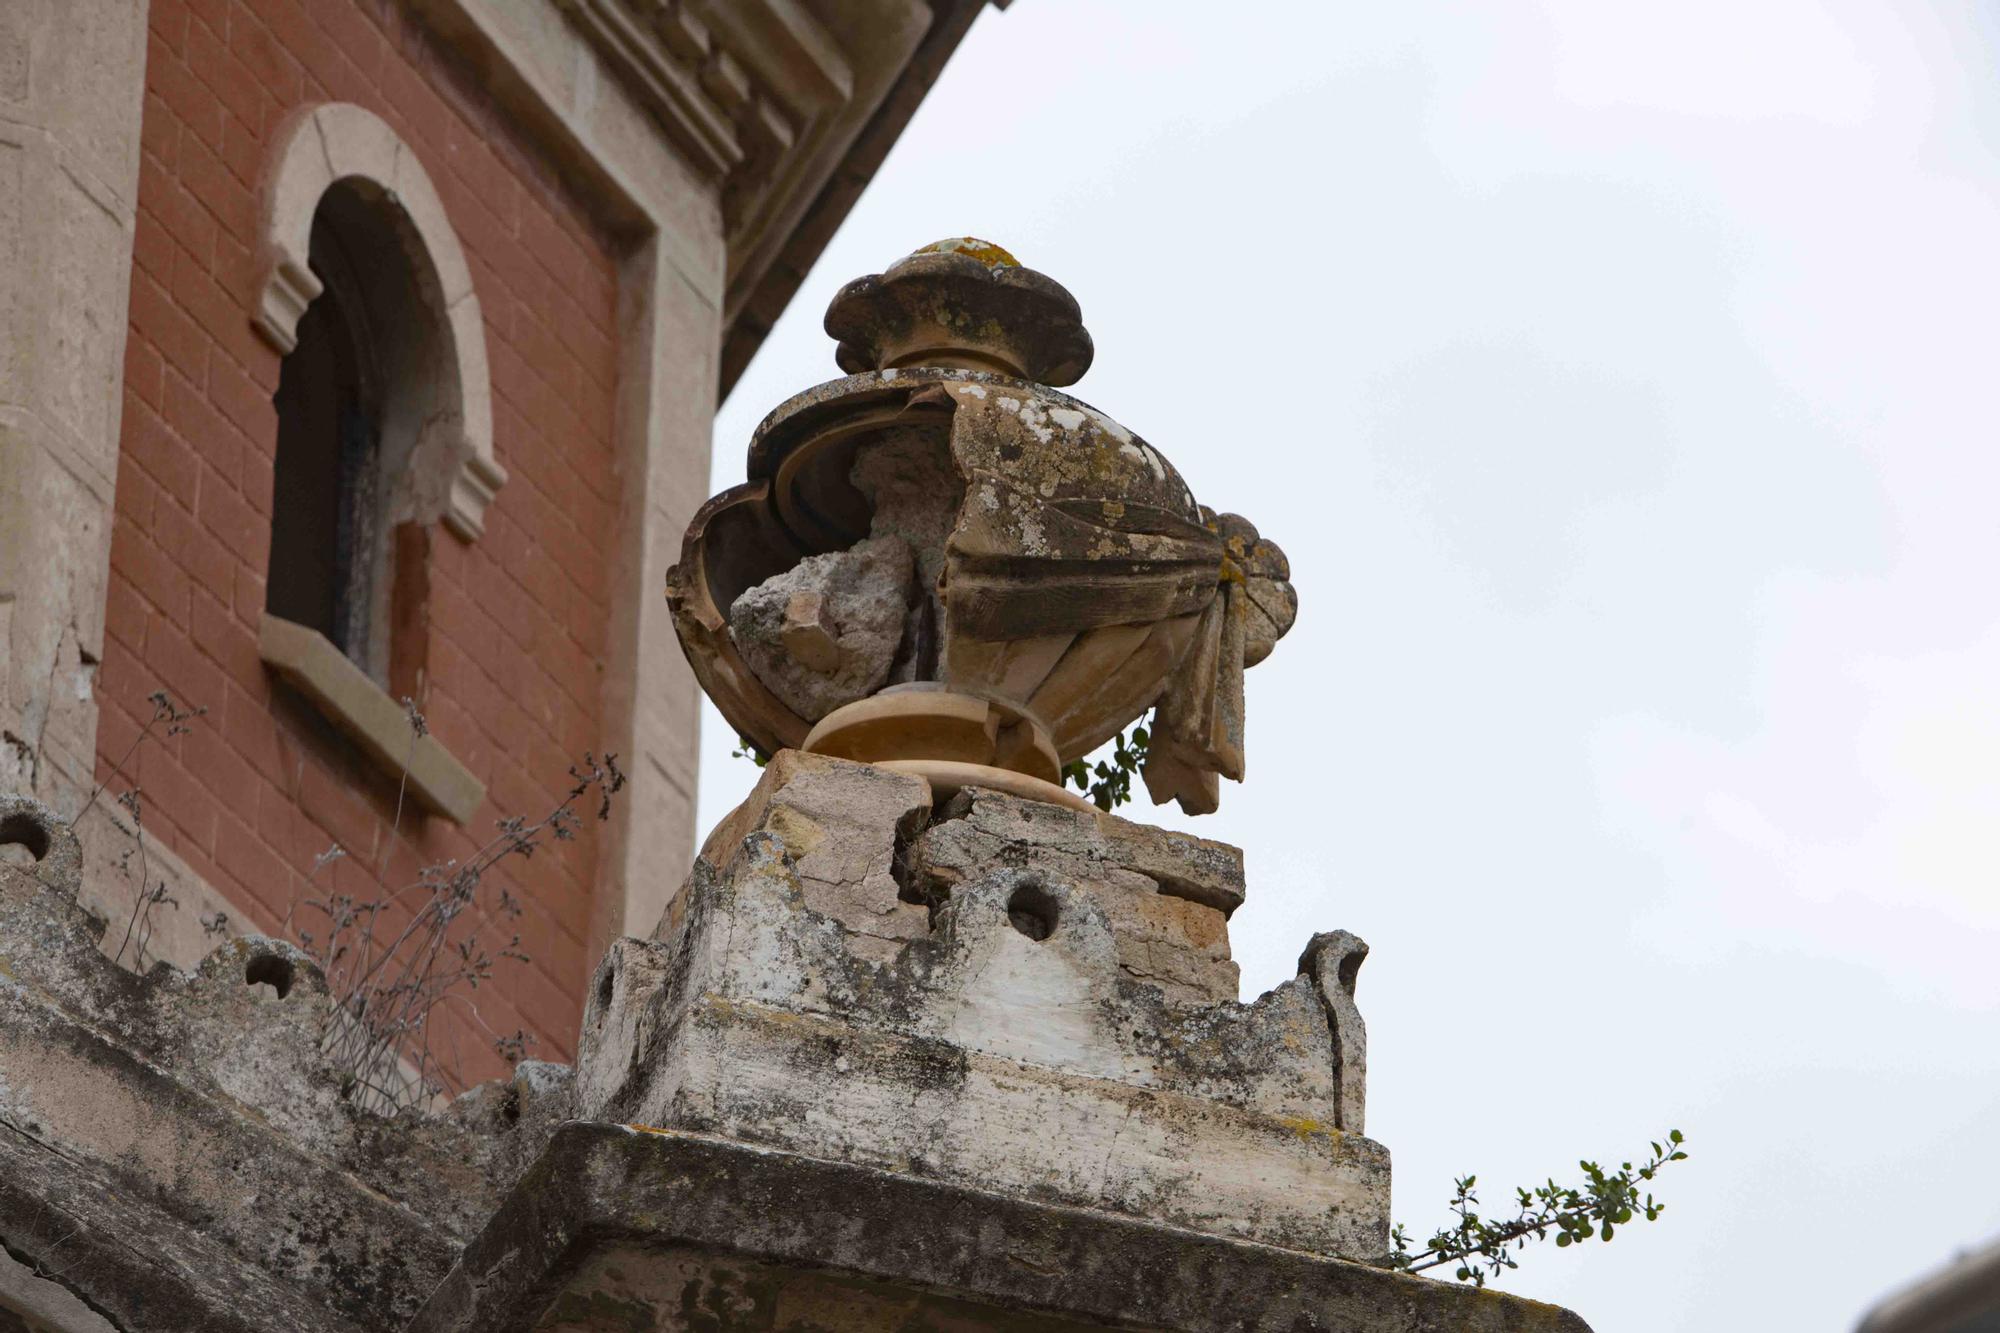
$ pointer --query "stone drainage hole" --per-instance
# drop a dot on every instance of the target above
(1033, 911)
(270, 970)
(23, 840)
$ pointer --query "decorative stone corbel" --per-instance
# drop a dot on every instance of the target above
(1333, 961)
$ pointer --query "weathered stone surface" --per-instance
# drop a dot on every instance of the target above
(1167, 895)
(619, 1229)
(758, 1018)
(961, 302)
(71, 90)
(825, 632)
(175, 1146)
(1332, 960)
(30, 1303)
(1200, 870)
(843, 825)
(986, 1116)
(912, 489)
(913, 492)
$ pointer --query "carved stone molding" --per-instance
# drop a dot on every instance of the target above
(337, 142)
(763, 95)
(729, 81)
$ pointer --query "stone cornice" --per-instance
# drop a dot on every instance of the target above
(764, 96)
(666, 76)
(789, 106)
(737, 84)
(760, 287)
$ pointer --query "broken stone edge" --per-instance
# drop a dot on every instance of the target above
(597, 1185)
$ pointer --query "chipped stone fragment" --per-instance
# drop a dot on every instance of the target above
(825, 632)
(913, 491)
(843, 825)
(1333, 960)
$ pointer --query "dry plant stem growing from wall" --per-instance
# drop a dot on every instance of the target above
(387, 989)
(139, 927)
(151, 895)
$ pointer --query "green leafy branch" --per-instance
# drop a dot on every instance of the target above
(1481, 1248)
(1109, 782)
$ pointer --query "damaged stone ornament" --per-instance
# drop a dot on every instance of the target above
(1058, 576)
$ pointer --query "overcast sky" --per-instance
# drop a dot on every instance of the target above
(1620, 379)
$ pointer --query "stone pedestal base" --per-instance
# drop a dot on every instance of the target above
(1053, 1023)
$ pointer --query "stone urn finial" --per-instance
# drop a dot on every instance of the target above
(942, 565)
(965, 303)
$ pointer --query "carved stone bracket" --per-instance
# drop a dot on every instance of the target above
(759, 94)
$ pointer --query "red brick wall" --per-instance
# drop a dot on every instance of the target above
(261, 786)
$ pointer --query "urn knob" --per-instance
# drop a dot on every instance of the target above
(966, 303)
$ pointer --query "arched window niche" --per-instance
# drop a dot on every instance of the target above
(328, 500)
(384, 430)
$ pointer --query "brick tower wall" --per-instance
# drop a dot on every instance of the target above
(517, 619)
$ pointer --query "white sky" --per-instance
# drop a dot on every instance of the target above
(1620, 380)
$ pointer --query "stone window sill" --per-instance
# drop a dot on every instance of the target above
(307, 660)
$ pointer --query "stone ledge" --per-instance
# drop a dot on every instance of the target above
(767, 1231)
(175, 1148)
(309, 662)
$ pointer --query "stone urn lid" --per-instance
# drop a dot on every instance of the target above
(961, 302)
(944, 565)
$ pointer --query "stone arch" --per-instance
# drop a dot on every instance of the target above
(438, 432)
